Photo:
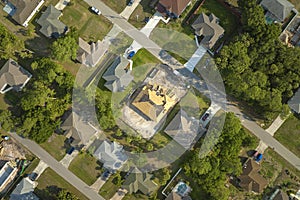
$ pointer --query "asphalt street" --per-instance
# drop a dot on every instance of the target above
(58, 167)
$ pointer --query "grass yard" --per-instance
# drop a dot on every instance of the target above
(109, 188)
(33, 164)
(289, 134)
(142, 11)
(116, 5)
(3, 104)
(91, 27)
(143, 57)
(137, 196)
(86, 167)
(296, 3)
(227, 20)
(52, 181)
(55, 146)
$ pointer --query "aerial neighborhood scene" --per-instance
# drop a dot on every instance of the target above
(150, 99)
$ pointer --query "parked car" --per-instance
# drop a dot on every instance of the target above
(131, 54)
(95, 10)
(146, 20)
(33, 176)
(255, 154)
(106, 174)
(130, 2)
(70, 151)
(205, 116)
(258, 157)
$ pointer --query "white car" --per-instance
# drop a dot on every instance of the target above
(95, 10)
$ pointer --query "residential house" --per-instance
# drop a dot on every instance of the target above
(13, 76)
(50, 24)
(77, 129)
(294, 102)
(277, 10)
(111, 155)
(24, 190)
(172, 8)
(208, 30)
(279, 195)
(173, 196)
(138, 181)
(90, 54)
(118, 75)
(153, 101)
(184, 129)
(7, 174)
(295, 196)
(250, 179)
(22, 11)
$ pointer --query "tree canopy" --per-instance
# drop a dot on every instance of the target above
(210, 172)
(256, 67)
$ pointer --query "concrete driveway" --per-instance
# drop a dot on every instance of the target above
(119, 194)
(129, 9)
(196, 57)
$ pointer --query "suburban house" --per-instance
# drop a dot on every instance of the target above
(118, 75)
(153, 102)
(50, 24)
(24, 190)
(138, 181)
(90, 54)
(279, 195)
(208, 30)
(111, 155)
(184, 129)
(294, 102)
(173, 196)
(277, 10)
(78, 130)
(13, 76)
(7, 174)
(22, 11)
(250, 179)
(172, 8)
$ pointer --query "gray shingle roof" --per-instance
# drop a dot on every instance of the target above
(13, 75)
(51, 25)
(118, 76)
(208, 27)
(24, 190)
(111, 155)
(279, 8)
(294, 102)
(24, 8)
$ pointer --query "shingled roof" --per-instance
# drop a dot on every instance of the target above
(250, 179)
(208, 27)
(25, 9)
(118, 75)
(279, 8)
(24, 190)
(294, 102)
(13, 76)
(174, 6)
(51, 26)
(138, 181)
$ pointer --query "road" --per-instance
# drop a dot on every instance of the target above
(214, 93)
(58, 167)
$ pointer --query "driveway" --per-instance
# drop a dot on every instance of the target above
(196, 57)
(100, 182)
(129, 9)
(119, 194)
(66, 161)
(62, 4)
(42, 166)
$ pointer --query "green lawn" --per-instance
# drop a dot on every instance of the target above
(143, 10)
(91, 27)
(3, 104)
(227, 20)
(52, 181)
(86, 167)
(289, 134)
(109, 188)
(116, 5)
(55, 146)
(143, 57)
(33, 164)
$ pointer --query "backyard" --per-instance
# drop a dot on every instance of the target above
(55, 146)
(91, 27)
(86, 167)
(289, 134)
(50, 182)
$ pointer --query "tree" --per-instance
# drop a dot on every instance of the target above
(149, 146)
(65, 48)
(119, 132)
(6, 121)
(66, 195)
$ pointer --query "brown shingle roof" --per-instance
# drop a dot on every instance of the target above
(175, 6)
(251, 180)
